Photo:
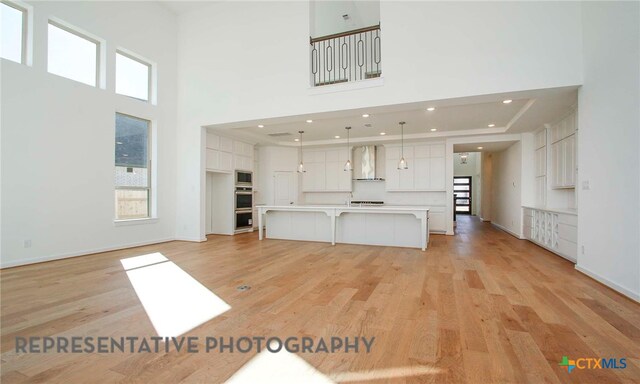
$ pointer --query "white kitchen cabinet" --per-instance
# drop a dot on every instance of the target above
(541, 161)
(226, 155)
(226, 144)
(555, 230)
(426, 170)
(563, 163)
(243, 163)
(325, 171)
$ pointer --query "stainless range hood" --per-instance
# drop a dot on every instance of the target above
(367, 156)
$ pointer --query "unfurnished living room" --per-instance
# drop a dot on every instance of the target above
(320, 191)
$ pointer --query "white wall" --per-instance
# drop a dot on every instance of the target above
(486, 186)
(506, 189)
(262, 66)
(608, 142)
(58, 138)
(326, 16)
(471, 168)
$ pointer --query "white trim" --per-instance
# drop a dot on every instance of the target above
(348, 86)
(87, 252)
(622, 290)
(191, 239)
(500, 227)
(147, 220)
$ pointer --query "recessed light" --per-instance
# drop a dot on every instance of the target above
(125, 155)
(383, 133)
(260, 126)
(336, 137)
(480, 147)
(433, 129)
(296, 139)
(491, 125)
(506, 101)
(309, 121)
(431, 109)
(119, 142)
(365, 115)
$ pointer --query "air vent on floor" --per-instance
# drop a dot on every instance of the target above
(279, 134)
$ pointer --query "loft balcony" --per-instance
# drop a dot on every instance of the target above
(346, 57)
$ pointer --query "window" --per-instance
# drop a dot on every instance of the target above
(132, 168)
(72, 55)
(132, 77)
(13, 21)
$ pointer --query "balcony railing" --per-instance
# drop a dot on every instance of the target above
(345, 57)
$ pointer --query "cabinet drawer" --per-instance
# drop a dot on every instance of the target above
(568, 219)
(568, 249)
(568, 232)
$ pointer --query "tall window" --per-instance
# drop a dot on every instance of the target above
(72, 55)
(13, 41)
(133, 77)
(132, 167)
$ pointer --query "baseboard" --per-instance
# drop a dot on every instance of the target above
(69, 255)
(622, 290)
(500, 227)
(192, 239)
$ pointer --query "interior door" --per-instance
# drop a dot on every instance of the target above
(283, 188)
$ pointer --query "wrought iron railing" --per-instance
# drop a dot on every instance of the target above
(347, 56)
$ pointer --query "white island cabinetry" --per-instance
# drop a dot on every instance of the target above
(385, 226)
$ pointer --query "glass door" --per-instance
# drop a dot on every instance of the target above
(462, 192)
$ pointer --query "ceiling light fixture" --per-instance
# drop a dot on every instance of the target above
(296, 140)
(336, 137)
(309, 121)
(347, 165)
(383, 133)
(506, 101)
(463, 158)
(433, 129)
(260, 126)
(119, 142)
(365, 115)
(491, 125)
(480, 147)
(431, 109)
(402, 164)
(301, 165)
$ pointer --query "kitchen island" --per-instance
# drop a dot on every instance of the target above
(398, 226)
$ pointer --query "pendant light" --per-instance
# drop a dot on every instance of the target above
(402, 164)
(347, 165)
(301, 165)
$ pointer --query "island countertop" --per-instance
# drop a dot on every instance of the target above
(353, 235)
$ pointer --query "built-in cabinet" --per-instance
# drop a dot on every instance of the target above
(554, 230)
(541, 166)
(325, 171)
(226, 155)
(563, 153)
(426, 170)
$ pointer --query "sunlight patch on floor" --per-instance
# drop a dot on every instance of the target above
(385, 373)
(174, 301)
(280, 367)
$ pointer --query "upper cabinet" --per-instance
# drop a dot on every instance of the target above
(426, 170)
(226, 155)
(325, 171)
(563, 153)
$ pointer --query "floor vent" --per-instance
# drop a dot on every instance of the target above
(243, 288)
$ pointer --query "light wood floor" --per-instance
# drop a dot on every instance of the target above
(478, 307)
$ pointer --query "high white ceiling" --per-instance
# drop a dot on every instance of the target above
(454, 117)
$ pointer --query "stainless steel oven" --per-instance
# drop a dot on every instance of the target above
(244, 178)
(243, 198)
(244, 220)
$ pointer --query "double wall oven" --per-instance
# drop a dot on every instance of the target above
(243, 200)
